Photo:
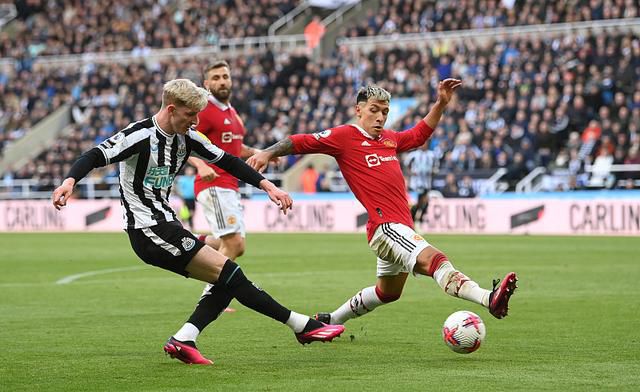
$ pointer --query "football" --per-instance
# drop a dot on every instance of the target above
(463, 332)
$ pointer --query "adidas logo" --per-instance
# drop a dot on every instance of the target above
(226, 121)
(365, 143)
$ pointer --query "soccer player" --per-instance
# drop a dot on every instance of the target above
(151, 152)
(367, 154)
(217, 190)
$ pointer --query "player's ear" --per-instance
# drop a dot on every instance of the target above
(358, 110)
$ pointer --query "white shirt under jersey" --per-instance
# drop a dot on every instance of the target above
(149, 160)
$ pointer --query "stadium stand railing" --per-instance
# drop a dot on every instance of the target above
(8, 12)
(369, 43)
(226, 47)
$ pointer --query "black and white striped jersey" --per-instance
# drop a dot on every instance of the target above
(149, 160)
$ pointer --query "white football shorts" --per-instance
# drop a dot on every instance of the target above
(397, 247)
(223, 210)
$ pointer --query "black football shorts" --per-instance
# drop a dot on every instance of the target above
(166, 245)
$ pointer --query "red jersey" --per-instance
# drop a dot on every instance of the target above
(221, 124)
(370, 166)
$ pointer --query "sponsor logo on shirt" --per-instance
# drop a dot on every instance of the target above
(376, 160)
(158, 177)
(365, 143)
(228, 137)
(226, 121)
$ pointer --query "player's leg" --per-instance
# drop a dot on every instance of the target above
(432, 262)
(387, 289)
(210, 240)
(395, 260)
(210, 265)
(232, 245)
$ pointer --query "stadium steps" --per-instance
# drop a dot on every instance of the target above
(37, 140)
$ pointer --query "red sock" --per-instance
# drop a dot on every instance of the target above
(436, 262)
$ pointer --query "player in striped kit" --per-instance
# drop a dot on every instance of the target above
(367, 154)
(151, 152)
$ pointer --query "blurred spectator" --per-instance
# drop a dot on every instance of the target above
(309, 180)
(420, 208)
(313, 32)
(450, 188)
(601, 171)
(466, 187)
(185, 190)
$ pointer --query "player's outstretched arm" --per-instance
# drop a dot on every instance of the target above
(260, 160)
(446, 89)
(80, 168)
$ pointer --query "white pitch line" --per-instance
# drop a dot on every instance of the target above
(71, 278)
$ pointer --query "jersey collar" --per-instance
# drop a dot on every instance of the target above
(363, 132)
(219, 104)
(162, 131)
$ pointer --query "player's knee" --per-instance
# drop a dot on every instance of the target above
(387, 297)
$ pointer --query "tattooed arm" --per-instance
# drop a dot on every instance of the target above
(260, 160)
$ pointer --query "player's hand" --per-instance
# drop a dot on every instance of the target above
(446, 88)
(277, 195)
(207, 173)
(63, 193)
(259, 161)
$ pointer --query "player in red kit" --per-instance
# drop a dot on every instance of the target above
(367, 155)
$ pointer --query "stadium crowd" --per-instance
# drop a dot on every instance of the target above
(72, 26)
(560, 103)
(404, 16)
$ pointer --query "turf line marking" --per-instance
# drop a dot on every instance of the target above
(71, 278)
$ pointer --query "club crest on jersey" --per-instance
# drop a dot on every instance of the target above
(324, 133)
(418, 237)
(188, 243)
(182, 150)
(232, 220)
(389, 143)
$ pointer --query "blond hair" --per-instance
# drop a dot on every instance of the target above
(374, 92)
(183, 92)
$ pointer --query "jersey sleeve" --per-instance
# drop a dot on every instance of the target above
(121, 146)
(202, 148)
(413, 137)
(327, 142)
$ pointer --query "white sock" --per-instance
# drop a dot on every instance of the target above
(187, 332)
(457, 284)
(297, 321)
(362, 303)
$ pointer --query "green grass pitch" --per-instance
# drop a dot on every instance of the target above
(573, 324)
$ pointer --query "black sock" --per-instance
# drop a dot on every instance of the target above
(311, 325)
(211, 305)
(239, 287)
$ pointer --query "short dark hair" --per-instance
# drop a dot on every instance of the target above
(372, 92)
(214, 65)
